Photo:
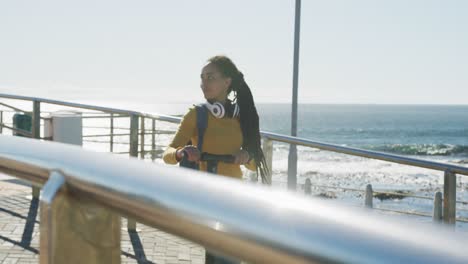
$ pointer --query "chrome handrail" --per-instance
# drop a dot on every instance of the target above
(252, 223)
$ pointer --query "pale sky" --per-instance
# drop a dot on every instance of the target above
(352, 51)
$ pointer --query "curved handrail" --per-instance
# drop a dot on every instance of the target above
(253, 223)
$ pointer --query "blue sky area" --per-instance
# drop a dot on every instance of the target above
(352, 51)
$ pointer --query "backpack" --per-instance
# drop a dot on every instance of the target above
(202, 123)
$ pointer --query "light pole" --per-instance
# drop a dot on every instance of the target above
(292, 158)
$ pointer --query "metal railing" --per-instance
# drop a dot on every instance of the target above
(449, 170)
(252, 223)
(137, 132)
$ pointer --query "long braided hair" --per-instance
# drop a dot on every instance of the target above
(249, 121)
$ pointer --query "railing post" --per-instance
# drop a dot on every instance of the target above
(369, 200)
(268, 152)
(76, 230)
(450, 194)
(308, 187)
(142, 138)
(1, 122)
(131, 224)
(134, 136)
(292, 167)
(437, 213)
(36, 120)
(36, 133)
(153, 139)
(112, 133)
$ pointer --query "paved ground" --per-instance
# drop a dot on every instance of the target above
(19, 233)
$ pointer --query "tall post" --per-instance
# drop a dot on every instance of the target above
(292, 157)
(36, 133)
(450, 194)
(131, 224)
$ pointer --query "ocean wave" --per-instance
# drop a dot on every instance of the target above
(423, 149)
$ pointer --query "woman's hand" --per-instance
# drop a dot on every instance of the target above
(192, 152)
(241, 157)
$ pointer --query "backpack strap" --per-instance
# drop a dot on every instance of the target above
(202, 123)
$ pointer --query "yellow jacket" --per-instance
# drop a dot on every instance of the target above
(222, 136)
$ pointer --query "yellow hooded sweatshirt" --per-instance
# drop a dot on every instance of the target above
(222, 136)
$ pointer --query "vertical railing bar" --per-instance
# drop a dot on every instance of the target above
(268, 152)
(450, 194)
(134, 127)
(1, 122)
(437, 210)
(134, 136)
(153, 139)
(36, 119)
(142, 138)
(112, 133)
(369, 198)
(36, 133)
(308, 187)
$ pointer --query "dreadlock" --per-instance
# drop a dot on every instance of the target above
(249, 120)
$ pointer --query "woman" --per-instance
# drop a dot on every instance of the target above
(237, 135)
(236, 132)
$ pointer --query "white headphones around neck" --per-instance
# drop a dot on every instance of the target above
(218, 110)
